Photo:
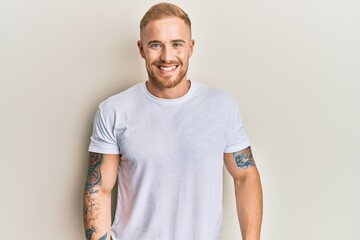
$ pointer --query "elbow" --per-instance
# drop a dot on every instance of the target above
(239, 179)
(251, 175)
(105, 190)
(99, 189)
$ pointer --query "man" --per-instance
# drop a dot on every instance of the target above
(167, 140)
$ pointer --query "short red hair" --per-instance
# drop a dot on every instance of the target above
(163, 10)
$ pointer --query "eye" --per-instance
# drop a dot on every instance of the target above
(155, 45)
(176, 45)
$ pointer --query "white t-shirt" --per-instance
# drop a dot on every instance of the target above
(171, 170)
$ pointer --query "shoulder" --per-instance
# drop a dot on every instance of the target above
(121, 100)
(215, 95)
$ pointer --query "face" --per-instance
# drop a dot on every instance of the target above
(166, 46)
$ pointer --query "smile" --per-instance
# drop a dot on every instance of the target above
(167, 69)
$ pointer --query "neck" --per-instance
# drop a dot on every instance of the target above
(169, 93)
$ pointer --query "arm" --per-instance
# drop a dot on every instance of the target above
(101, 178)
(248, 192)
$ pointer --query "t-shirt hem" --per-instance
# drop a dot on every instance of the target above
(102, 150)
(237, 148)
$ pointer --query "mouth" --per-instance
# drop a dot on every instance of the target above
(167, 69)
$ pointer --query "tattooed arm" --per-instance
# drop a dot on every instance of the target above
(101, 178)
(248, 192)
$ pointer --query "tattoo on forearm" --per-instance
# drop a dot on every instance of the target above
(91, 204)
(103, 237)
(244, 158)
(90, 231)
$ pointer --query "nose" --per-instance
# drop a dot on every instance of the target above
(166, 54)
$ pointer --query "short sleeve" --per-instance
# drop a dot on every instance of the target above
(237, 138)
(103, 139)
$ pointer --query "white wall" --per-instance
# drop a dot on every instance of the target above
(293, 65)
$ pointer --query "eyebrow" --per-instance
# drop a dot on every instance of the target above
(153, 41)
(173, 41)
(178, 40)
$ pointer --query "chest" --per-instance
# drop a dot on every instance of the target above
(172, 136)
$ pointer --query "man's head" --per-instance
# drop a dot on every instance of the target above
(165, 44)
(164, 10)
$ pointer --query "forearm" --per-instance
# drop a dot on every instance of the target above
(101, 178)
(249, 205)
(97, 214)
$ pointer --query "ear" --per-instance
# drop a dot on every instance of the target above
(191, 48)
(141, 49)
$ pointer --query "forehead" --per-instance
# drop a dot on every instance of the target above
(166, 29)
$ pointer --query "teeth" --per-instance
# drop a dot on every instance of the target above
(167, 68)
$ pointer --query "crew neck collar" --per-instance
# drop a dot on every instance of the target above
(172, 101)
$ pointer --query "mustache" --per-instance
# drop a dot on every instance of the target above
(168, 62)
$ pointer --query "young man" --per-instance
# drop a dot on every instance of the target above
(167, 140)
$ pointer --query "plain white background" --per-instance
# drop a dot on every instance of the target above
(293, 66)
